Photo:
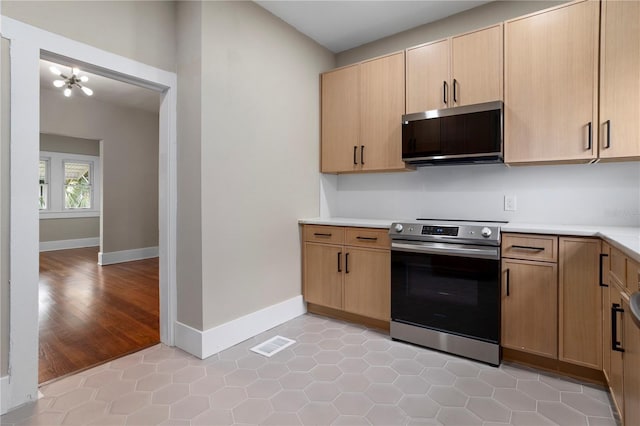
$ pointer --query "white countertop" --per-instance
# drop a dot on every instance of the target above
(348, 221)
(626, 239)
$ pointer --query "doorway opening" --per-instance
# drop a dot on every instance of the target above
(28, 46)
(98, 208)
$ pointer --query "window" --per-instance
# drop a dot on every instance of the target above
(77, 185)
(44, 187)
(69, 185)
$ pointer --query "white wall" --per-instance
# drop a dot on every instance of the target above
(595, 194)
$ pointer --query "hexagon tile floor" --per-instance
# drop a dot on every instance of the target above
(336, 373)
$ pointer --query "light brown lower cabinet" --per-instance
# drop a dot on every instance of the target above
(323, 277)
(350, 270)
(580, 302)
(631, 367)
(367, 283)
(621, 333)
(616, 369)
(529, 306)
(606, 303)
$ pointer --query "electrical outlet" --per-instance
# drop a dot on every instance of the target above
(510, 203)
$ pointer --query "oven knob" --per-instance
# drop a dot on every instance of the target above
(398, 227)
(486, 232)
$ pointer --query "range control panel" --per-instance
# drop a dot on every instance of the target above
(450, 231)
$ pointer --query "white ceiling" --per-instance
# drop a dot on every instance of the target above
(342, 25)
(104, 89)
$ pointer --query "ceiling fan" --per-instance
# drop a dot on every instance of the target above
(70, 82)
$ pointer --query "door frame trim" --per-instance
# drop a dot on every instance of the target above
(28, 44)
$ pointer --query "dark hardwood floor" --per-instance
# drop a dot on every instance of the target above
(90, 314)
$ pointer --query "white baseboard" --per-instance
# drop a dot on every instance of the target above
(127, 255)
(209, 342)
(69, 244)
(4, 394)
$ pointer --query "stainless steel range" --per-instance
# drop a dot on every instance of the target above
(445, 286)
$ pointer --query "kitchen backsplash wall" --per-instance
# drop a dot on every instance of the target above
(595, 194)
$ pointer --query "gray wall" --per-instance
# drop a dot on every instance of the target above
(129, 163)
(4, 207)
(189, 226)
(141, 30)
(260, 156)
(68, 144)
(481, 16)
(69, 228)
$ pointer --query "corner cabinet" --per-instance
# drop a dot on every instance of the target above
(580, 302)
(462, 70)
(620, 80)
(348, 269)
(551, 85)
(362, 107)
(621, 336)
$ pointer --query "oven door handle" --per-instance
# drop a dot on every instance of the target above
(460, 250)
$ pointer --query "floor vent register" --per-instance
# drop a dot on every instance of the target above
(273, 346)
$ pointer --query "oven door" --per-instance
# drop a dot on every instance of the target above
(451, 288)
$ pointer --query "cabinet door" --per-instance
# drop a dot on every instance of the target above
(631, 368)
(580, 319)
(606, 316)
(340, 119)
(367, 283)
(620, 80)
(428, 77)
(551, 61)
(381, 106)
(529, 307)
(476, 64)
(323, 265)
(615, 372)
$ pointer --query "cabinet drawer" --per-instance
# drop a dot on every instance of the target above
(324, 234)
(368, 237)
(618, 266)
(530, 247)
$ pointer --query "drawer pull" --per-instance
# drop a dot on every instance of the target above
(601, 279)
(320, 234)
(507, 271)
(528, 248)
(615, 344)
(346, 263)
(367, 238)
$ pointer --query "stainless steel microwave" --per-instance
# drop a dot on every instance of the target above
(466, 134)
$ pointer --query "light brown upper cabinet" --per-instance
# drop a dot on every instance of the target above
(462, 70)
(620, 80)
(340, 119)
(551, 85)
(362, 108)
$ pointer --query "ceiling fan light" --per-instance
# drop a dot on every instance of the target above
(75, 71)
(84, 78)
(58, 83)
(87, 91)
(55, 70)
(67, 92)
